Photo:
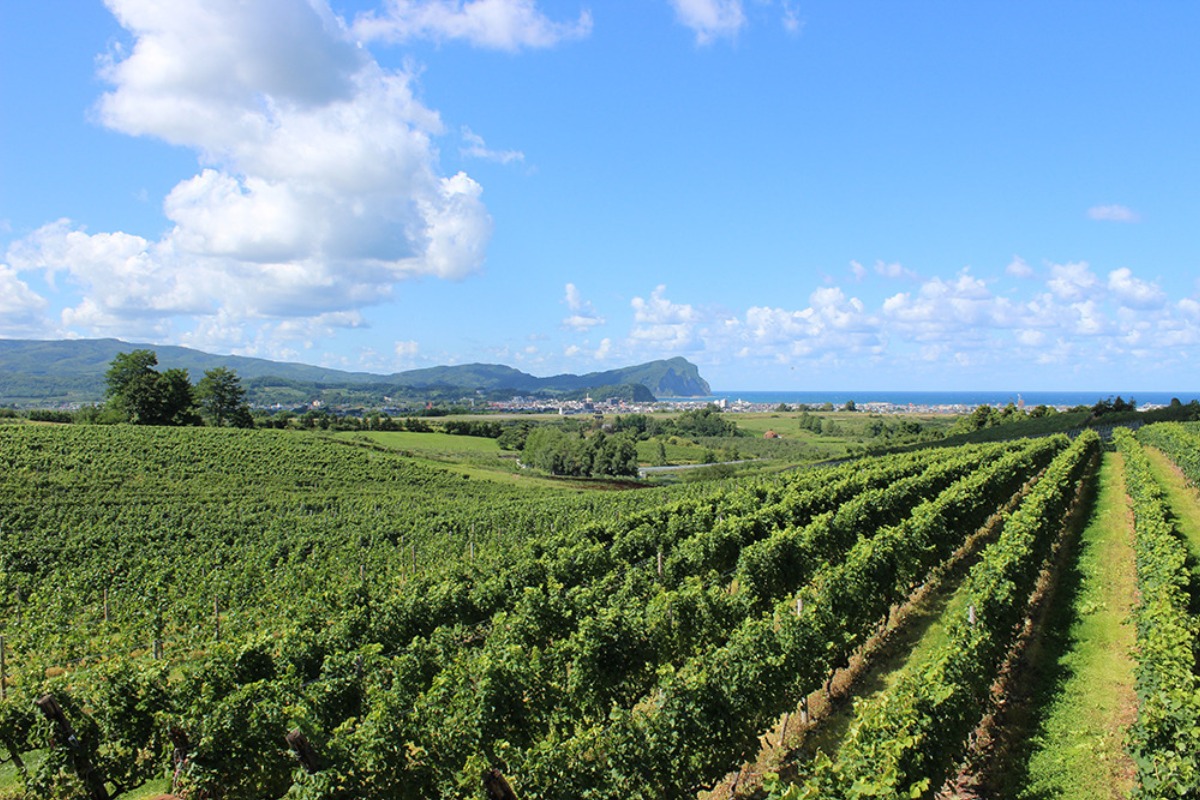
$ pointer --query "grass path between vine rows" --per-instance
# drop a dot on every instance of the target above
(1182, 499)
(1068, 739)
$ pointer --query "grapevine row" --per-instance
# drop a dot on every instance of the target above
(904, 742)
(1165, 740)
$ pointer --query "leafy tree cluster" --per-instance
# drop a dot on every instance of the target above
(140, 394)
(559, 453)
(481, 428)
(822, 426)
(326, 420)
(901, 428)
(707, 421)
(985, 416)
(1111, 406)
(514, 435)
(640, 426)
(49, 415)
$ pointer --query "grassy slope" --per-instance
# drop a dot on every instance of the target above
(1084, 682)
(474, 456)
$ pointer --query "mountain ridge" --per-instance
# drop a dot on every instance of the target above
(72, 371)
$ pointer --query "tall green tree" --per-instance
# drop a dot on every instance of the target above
(177, 398)
(223, 399)
(142, 395)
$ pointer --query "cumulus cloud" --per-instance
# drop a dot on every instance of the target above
(950, 310)
(962, 322)
(319, 188)
(1114, 213)
(1072, 281)
(710, 19)
(1018, 268)
(128, 282)
(831, 322)
(21, 308)
(894, 270)
(1132, 292)
(667, 326)
(494, 24)
(583, 316)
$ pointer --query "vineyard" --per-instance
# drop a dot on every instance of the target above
(260, 614)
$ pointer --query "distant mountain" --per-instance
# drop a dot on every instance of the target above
(72, 371)
(676, 377)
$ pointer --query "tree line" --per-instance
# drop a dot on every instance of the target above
(139, 393)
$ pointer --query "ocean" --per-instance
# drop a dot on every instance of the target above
(959, 398)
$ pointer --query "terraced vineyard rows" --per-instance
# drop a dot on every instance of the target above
(419, 630)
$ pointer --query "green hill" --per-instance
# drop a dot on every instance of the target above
(64, 372)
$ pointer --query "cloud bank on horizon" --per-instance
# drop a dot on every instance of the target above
(334, 216)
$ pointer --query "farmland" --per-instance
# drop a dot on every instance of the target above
(240, 613)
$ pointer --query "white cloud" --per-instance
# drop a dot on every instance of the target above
(1133, 292)
(1072, 281)
(832, 323)
(666, 326)
(792, 23)
(894, 270)
(1031, 338)
(1114, 213)
(1089, 318)
(319, 190)
(406, 350)
(858, 271)
(710, 19)
(954, 322)
(945, 310)
(21, 308)
(583, 315)
(124, 277)
(476, 147)
(1018, 268)
(495, 24)
(603, 350)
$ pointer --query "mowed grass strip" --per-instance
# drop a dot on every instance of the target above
(1183, 500)
(1084, 679)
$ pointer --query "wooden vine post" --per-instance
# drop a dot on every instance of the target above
(84, 768)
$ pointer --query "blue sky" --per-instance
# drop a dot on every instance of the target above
(792, 195)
